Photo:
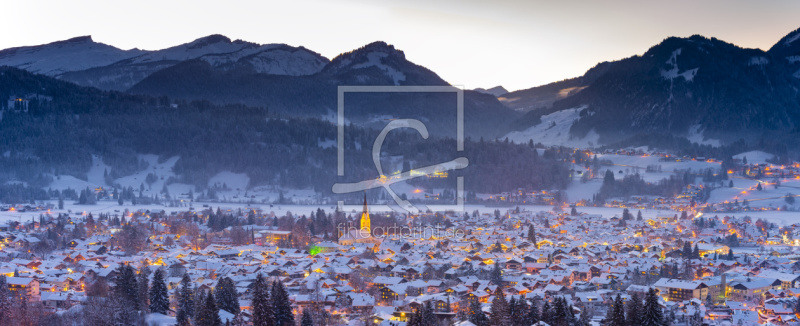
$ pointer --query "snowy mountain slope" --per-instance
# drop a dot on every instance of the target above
(701, 89)
(56, 58)
(554, 130)
(788, 48)
(272, 59)
(205, 45)
(379, 63)
(123, 74)
(293, 88)
(495, 91)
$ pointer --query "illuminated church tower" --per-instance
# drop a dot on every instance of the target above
(365, 216)
(361, 235)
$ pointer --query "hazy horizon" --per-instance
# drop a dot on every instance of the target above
(468, 43)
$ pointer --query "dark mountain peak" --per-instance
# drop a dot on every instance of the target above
(694, 42)
(78, 39)
(381, 46)
(374, 47)
(494, 91)
(788, 46)
(379, 63)
(208, 40)
(59, 57)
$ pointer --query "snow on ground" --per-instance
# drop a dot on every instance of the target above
(97, 171)
(696, 136)
(110, 207)
(162, 171)
(375, 59)
(272, 59)
(95, 175)
(327, 143)
(755, 157)
(674, 72)
(769, 196)
(156, 319)
(554, 130)
(632, 164)
(238, 181)
(758, 61)
(58, 57)
(667, 166)
(63, 182)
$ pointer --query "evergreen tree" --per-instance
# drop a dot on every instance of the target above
(546, 315)
(569, 312)
(209, 314)
(532, 235)
(695, 252)
(653, 315)
(185, 302)
(634, 310)
(796, 307)
(512, 308)
(608, 179)
(639, 216)
(496, 275)
(533, 314)
(159, 296)
(5, 300)
(127, 288)
(687, 250)
(559, 313)
(239, 321)
(415, 319)
(585, 319)
(520, 312)
(499, 316)
(428, 318)
(199, 301)
(143, 280)
(263, 314)
(226, 295)
(282, 307)
(306, 321)
(618, 317)
(476, 315)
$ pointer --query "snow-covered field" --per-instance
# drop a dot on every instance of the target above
(240, 193)
(755, 157)
(769, 196)
(109, 207)
(554, 130)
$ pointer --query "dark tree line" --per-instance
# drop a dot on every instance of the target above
(58, 137)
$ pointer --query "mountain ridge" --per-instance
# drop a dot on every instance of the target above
(698, 88)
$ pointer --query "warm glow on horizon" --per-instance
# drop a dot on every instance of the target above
(516, 44)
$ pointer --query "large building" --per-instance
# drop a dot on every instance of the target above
(349, 236)
(679, 290)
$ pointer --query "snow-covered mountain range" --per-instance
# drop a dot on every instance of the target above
(694, 90)
(88, 63)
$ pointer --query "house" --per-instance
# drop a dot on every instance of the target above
(680, 290)
(27, 285)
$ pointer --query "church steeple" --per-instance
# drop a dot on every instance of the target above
(365, 223)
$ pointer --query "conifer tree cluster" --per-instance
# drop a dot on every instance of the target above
(271, 305)
(518, 312)
(634, 313)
